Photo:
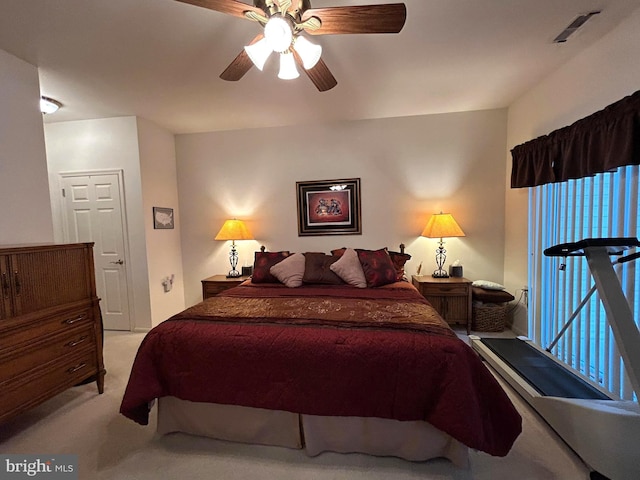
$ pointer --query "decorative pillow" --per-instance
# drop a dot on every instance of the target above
(399, 259)
(262, 266)
(290, 270)
(488, 285)
(338, 252)
(317, 269)
(490, 296)
(348, 268)
(377, 266)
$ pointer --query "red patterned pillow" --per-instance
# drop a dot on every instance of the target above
(263, 263)
(377, 266)
(399, 259)
(317, 269)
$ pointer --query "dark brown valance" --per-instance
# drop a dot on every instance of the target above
(603, 141)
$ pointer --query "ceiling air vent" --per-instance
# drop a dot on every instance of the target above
(573, 27)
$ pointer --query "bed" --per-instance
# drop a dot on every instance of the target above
(323, 366)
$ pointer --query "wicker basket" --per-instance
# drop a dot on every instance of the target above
(489, 317)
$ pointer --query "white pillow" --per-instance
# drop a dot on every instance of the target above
(488, 285)
(349, 269)
(290, 270)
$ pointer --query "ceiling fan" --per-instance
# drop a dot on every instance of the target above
(284, 21)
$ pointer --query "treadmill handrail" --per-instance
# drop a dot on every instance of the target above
(615, 246)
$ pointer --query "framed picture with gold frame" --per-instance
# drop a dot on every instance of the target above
(329, 207)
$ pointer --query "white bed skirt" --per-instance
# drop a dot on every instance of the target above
(415, 441)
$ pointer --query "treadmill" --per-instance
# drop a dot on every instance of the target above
(603, 431)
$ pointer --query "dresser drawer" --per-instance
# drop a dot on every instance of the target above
(45, 349)
(212, 289)
(216, 284)
(446, 289)
(46, 326)
(36, 386)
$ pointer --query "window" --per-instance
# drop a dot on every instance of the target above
(605, 205)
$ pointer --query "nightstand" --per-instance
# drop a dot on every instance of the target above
(219, 283)
(451, 297)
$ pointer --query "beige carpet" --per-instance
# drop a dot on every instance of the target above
(110, 446)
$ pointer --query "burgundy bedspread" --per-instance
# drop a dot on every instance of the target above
(324, 363)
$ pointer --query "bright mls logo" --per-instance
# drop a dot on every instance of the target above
(51, 467)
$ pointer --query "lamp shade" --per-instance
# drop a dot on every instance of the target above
(288, 70)
(309, 52)
(442, 225)
(234, 230)
(259, 53)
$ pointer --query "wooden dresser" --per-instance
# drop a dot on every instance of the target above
(50, 327)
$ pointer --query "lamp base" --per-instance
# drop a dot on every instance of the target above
(440, 274)
(441, 257)
(233, 260)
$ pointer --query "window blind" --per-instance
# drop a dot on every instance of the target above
(605, 205)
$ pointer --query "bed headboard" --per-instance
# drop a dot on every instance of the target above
(402, 247)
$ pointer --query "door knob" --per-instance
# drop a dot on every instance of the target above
(119, 262)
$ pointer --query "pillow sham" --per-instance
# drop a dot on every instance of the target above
(262, 266)
(377, 266)
(290, 270)
(399, 259)
(349, 269)
(488, 285)
(317, 269)
(490, 296)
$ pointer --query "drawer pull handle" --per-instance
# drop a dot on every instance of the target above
(71, 321)
(17, 282)
(5, 285)
(76, 368)
(77, 342)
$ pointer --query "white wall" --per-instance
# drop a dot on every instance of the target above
(105, 144)
(409, 168)
(160, 189)
(24, 188)
(601, 75)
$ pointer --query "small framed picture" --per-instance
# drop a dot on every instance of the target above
(329, 207)
(162, 217)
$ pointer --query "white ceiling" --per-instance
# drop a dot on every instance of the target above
(161, 60)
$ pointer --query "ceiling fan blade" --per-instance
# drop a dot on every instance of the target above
(230, 7)
(320, 75)
(240, 65)
(388, 18)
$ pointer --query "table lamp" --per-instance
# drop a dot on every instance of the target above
(234, 230)
(441, 225)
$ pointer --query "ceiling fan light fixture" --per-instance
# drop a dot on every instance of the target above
(288, 70)
(309, 52)
(278, 33)
(259, 53)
